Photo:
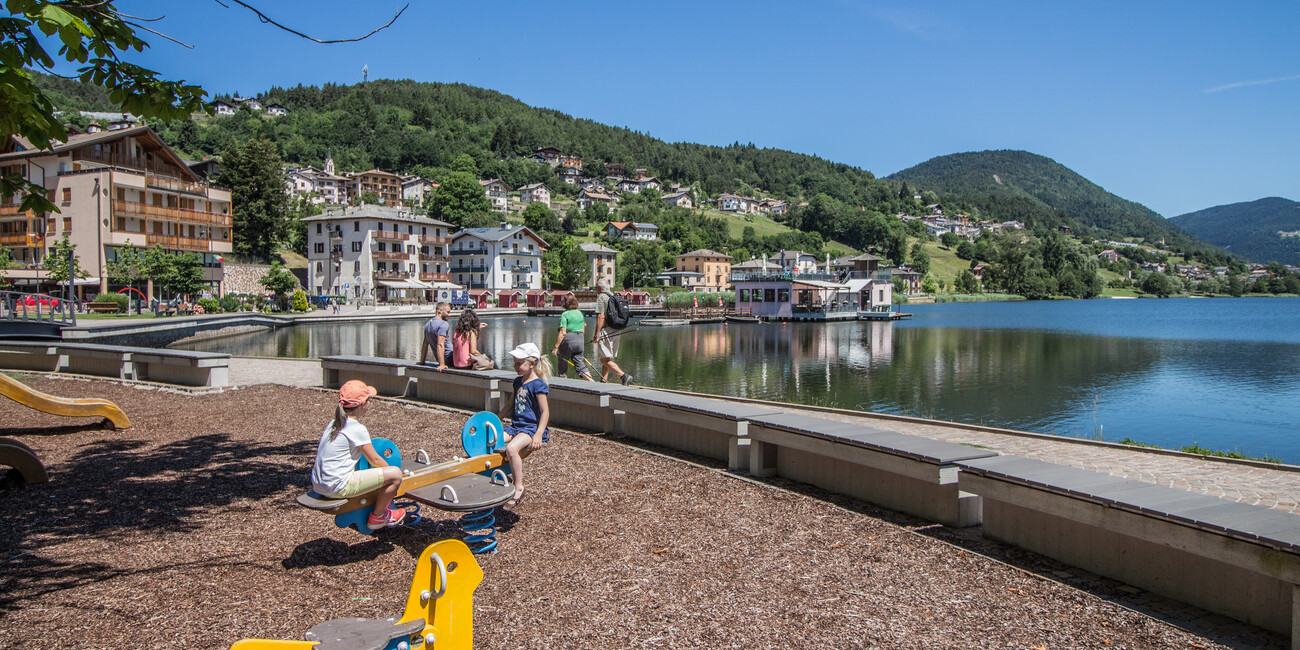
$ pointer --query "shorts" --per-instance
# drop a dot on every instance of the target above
(531, 432)
(361, 482)
(607, 345)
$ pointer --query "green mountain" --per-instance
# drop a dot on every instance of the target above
(1041, 191)
(1267, 230)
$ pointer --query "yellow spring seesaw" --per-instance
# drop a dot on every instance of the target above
(439, 611)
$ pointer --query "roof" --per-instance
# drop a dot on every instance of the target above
(704, 252)
(497, 234)
(532, 186)
(495, 180)
(592, 247)
(88, 139)
(757, 264)
(372, 211)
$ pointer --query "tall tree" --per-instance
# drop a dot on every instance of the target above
(460, 201)
(279, 281)
(62, 263)
(159, 267)
(540, 218)
(188, 276)
(253, 172)
(642, 261)
(565, 264)
(6, 263)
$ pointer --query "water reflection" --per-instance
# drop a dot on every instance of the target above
(1229, 379)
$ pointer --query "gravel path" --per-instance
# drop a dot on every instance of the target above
(182, 531)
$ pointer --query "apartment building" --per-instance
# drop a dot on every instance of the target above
(498, 194)
(600, 260)
(502, 258)
(375, 251)
(387, 185)
(117, 188)
(714, 270)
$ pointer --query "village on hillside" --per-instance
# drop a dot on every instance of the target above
(373, 241)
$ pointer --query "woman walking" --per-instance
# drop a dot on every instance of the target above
(569, 342)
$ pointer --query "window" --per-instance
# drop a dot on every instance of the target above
(320, 267)
(67, 224)
(317, 229)
(320, 247)
(356, 226)
(769, 295)
(67, 195)
(424, 231)
(410, 230)
(744, 295)
(381, 267)
(356, 266)
(783, 295)
(383, 247)
(356, 247)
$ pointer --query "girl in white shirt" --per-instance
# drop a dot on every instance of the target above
(342, 444)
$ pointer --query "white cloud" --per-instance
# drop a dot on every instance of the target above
(1251, 83)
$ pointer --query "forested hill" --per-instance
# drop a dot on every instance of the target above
(417, 127)
(1039, 190)
(1267, 230)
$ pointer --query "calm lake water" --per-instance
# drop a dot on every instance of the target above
(1224, 373)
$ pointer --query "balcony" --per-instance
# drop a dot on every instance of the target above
(432, 239)
(13, 239)
(388, 255)
(12, 211)
(388, 235)
(200, 217)
(434, 277)
(520, 268)
(469, 269)
(434, 258)
(536, 254)
(390, 275)
(158, 172)
(470, 251)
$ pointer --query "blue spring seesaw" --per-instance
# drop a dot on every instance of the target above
(476, 484)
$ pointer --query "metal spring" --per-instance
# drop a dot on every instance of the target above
(413, 515)
(481, 531)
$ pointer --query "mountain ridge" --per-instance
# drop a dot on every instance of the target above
(1265, 230)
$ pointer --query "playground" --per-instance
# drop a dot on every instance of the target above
(184, 531)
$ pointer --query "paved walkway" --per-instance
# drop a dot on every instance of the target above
(1245, 482)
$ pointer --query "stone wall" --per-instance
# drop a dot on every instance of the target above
(245, 278)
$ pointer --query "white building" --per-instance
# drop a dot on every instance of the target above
(498, 193)
(733, 203)
(535, 193)
(417, 189)
(794, 261)
(502, 258)
(375, 251)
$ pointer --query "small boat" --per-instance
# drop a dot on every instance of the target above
(736, 318)
(664, 322)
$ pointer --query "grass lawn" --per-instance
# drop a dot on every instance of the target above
(944, 263)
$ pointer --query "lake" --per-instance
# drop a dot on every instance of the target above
(1222, 373)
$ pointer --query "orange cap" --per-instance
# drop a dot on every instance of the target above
(354, 393)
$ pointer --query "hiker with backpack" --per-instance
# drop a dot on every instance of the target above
(612, 314)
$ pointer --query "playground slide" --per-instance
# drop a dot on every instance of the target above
(67, 406)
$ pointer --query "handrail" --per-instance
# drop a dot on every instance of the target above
(14, 308)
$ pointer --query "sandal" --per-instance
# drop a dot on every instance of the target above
(514, 501)
(391, 518)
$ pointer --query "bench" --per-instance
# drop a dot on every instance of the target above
(388, 376)
(909, 474)
(181, 367)
(25, 355)
(582, 404)
(713, 428)
(1231, 558)
(102, 307)
(99, 360)
(467, 389)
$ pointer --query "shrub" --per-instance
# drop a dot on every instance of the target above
(120, 299)
(229, 303)
(210, 305)
(300, 301)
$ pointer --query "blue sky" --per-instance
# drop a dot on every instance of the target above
(1176, 105)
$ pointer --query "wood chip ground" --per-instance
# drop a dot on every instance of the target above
(183, 532)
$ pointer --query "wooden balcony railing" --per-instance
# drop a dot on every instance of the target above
(11, 239)
(388, 235)
(431, 239)
(433, 277)
(173, 242)
(388, 255)
(434, 258)
(12, 211)
(211, 219)
(391, 275)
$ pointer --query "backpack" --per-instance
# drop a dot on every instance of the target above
(617, 312)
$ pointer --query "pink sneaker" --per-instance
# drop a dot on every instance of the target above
(393, 517)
